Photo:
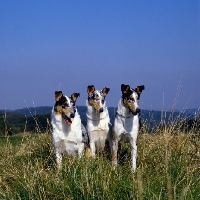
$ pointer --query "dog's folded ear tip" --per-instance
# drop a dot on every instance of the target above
(143, 87)
(108, 89)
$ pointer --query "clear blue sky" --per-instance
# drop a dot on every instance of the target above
(48, 45)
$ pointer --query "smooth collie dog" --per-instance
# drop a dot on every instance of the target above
(98, 121)
(126, 124)
(66, 124)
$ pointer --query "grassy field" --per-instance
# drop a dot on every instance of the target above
(168, 167)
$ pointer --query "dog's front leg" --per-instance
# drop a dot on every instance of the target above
(92, 148)
(58, 158)
(114, 149)
(133, 154)
(80, 150)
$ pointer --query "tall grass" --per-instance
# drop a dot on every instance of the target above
(168, 167)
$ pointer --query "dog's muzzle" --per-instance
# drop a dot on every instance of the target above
(72, 115)
(67, 120)
(101, 110)
(72, 112)
(68, 117)
(136, 111)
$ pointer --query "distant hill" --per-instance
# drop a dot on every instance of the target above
(192, 111)
(42, 110)
(38, 118)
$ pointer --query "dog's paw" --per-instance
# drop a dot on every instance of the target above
(88, 153)
(114, 164)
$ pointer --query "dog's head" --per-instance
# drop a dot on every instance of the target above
(97, 98)
(131, 97)
(65, 106)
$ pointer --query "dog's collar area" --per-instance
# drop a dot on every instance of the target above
(117, 113)
(95, 119)
(74, 108)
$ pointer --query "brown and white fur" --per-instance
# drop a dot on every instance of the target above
(98, 120)
(126, 124)
(66, 123)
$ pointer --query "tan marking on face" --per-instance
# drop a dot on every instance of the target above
(95, 105)
(129, 105)
(66, 111)
(97, 98)
(58, 110)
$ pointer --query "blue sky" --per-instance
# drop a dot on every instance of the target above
(48, 45)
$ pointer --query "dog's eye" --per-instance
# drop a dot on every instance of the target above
(131, 99)
(97, 98)
(65, 105)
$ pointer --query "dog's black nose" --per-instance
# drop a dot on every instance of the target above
(137, 110)
(72, 115)
(101, 110)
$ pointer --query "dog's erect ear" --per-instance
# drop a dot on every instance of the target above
(125, 88)
(74, 96)
(105, 91)
(90, 89)
(139, 89)
(58, 95)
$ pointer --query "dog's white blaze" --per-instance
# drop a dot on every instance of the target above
(136, 102)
